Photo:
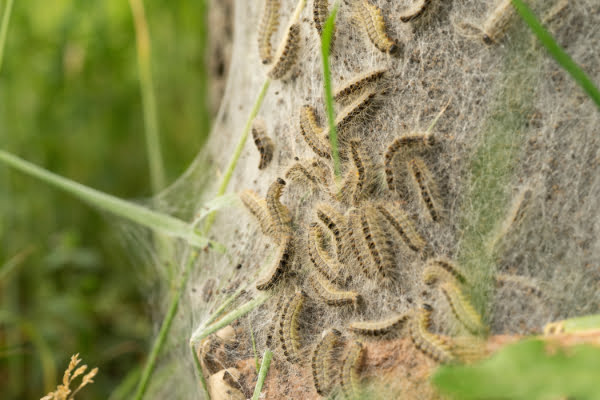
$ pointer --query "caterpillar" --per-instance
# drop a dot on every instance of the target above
(268, 25)
(404, 143)
(415, 11)
(323, 263)
(272, 328)
(462, 309)
(345, 193)
(426, 187)
(365, 170)
(322, 357)
(313, 172)
(442, 270)
(350, 373)
(378, 243)
(378, 328)
(402, 226)
(372, 21)
(335, 223)
(281, 264)
(355, 111)
(331, 295)
(258, 208)
(288, 327)
(497, 22)
(313, 133)
(320, 15)
(263, 143)
(287, 54)
(358, 84)
(356, 243)
(280, 215)
(428, 343)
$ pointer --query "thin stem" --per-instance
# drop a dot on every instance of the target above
(157, 172)
(262, 374)
(4, 29)
(223, 306)
(254, 348)
(199, 368)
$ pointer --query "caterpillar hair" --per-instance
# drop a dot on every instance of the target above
(280, 215)
(497, 22)
(288, 327)
(281, 264)
(350, 373)
(263, 143)
(428, 343)
(426, 188)
(320, 15)
(366, 173)
(258, 208)
(268, 25)
(322, 359)
(442, 270)
(403, 146)
(378, 328)
(287, 54)
(313, 133)
(415, 11)
(358, 84)
(336, 224)
(462, 309)
(331, 295)
(402, 226)
(326, 265)
(373, 23)
(379, 245)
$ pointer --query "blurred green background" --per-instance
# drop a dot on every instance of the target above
(70, 102)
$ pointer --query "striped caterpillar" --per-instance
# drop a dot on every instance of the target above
(331, 295)
(288, 326)
(379, 246)
(378, 328)
(313, 172)
(358, 84)
(357, 110)
(402, 226)
(430, 344)
(426, 187)
(462, 309)
(272, 328)
(404, 144)
(313, 133)
(287, 54)
(268, 26)
(356, 243)
(280, 215)
(320, 15)
(350, 373)
(365, 184)
(322, 359)
(335, 222)
(415, 11)
(323, 263)
(263, 143)
(281, 264)
(372, 21)
(442, 270)
(258, 208)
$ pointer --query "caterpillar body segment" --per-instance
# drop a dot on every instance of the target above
(273, 327)
(366, 173)
(442, 270)
(415, 11)
(378, 328)
(356, 112)
(350, 373)
(288, 326)
(357, 248)
(358, 85)
(313, 133)
(314, 172)
(497, 22)
(282, 262)
(399, 149)
(402, 226)
(263, 143)
(325, 265)
(331, 295)
(426, 187)
(428, 343)
(320, 15)
(336, 224)
(258, 208)
(287, 53)
(268, 25)
(462, 309)
(280, 215)
(322, 359)
(378, 243)
(373, 23)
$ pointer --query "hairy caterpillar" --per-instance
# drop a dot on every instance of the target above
(322, 358)
(287, 54)
(442, 270)
(263, 143)
(331, 295)
(415, 11)
(313, 172)
(288, 326)
(497, 22)
(378, 328)
(268, 26)
(258, 208)
(358, 84)
(402, 225)
(355, 111)
(281, 264)
(324, 264)
(365, 183)
(405, 144)
(280, 215)
(462, 309)
(372, 21)
(350, 374)
(320, 15)
(272, 327)
(355, 241)
(313, 133)
(335, 222)
(426, 187)
(430, 344)
(378, 243)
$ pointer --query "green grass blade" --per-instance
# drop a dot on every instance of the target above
(262, 374)
(557, 52)
(4, 28)
(325, 48)
(158, 222)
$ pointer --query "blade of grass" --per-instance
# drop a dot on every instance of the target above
(156, 221)
(557, 52)
(325, 48)
(262, 374)
(199, 369)
(155, 160)
(4, 28)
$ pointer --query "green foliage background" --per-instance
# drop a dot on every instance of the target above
(70, 102)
